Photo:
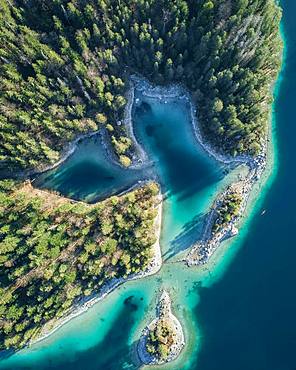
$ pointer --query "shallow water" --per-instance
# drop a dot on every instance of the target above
(88, 175)
(237, 313)
(189, 181)
(188, 176)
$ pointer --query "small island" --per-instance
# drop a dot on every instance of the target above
(162, 340)
(222, 221)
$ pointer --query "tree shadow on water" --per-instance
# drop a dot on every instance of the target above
(191, 233)
(195, 186)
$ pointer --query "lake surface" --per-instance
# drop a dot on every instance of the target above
(238, 312)
(89, 175)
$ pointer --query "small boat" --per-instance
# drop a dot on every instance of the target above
(263, 212)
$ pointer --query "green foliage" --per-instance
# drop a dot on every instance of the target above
(227, 208)
(101, 118)
(53, 251)
(64, 67)
(121, 145)
(160, 339)
(124, 160)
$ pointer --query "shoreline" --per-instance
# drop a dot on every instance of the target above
(206, 247)
(168, 92)
(259, 170)
(65, 154)
(109, 156)
(256, 166)
(163, 311)
(139, 155)
(178, 91)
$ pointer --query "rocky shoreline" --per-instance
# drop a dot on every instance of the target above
(204, 249)
(139, 157)
(163, 313)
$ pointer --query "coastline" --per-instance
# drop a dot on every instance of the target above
(210, 242)
(260, 169)
(205, 248)
(65, 154)
(163, 311)
(113, 312)
(139, 159)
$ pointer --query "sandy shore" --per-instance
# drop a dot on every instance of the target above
(163, 311)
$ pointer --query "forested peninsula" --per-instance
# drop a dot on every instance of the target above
(55, 251)
(65, 70)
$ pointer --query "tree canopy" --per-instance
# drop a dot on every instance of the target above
(64, 68)
(53, 251)
(64, 71)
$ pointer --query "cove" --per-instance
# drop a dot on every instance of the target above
(239, 311)
(88, 175)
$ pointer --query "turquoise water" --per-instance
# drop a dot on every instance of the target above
(105, 337)
(237, 314)
(88, 175)
(189, 178)
(247, 318)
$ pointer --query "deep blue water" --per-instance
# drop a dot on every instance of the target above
(247, 319)
(88, 175)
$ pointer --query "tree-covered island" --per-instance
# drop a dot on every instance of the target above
(227, 209)
(163, 339)
(65, 70)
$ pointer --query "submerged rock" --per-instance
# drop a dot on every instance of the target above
(143, 108)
